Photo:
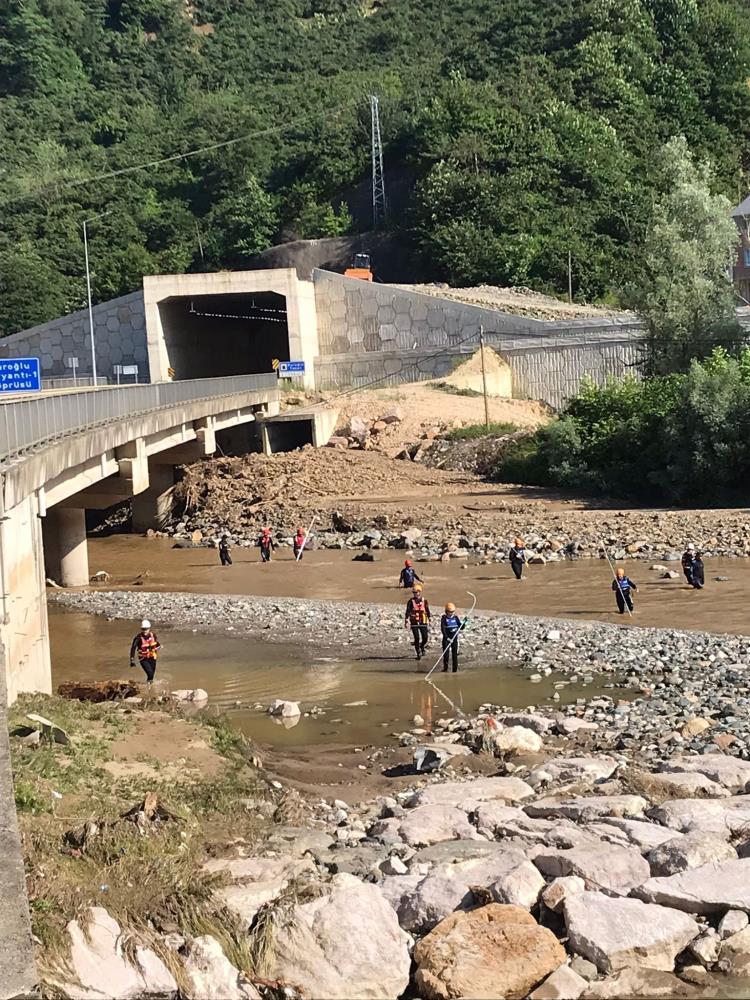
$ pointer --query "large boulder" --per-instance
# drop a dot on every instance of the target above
(101, 967)
(722, 816)
(687, 851)
(255, 881)
(588, 809)
(683, 785)
(494, 951)
(209, 975)
(563, 984)
(712, 888)
(345, 944)
(615, 870)
(734, 954)
(466, 794)
(645, 836)
(731, 772)
(619, 934)
(429, 824)
(517, 739)
(508, 875)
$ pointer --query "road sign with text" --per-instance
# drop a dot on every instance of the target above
(290, 369)
(20, 375)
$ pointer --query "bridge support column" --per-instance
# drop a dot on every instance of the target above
(65, 548)
(152, 508)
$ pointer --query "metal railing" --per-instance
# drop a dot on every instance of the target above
(29, 423)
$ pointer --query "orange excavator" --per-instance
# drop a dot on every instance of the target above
(361, 268)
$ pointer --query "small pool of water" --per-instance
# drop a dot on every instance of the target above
(237, 673)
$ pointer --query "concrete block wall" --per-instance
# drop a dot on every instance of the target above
(119, 332)
(369, 331)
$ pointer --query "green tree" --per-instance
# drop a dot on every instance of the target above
(684, 295)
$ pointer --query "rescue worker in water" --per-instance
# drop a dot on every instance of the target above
(299, 543)
(146, 647)
(450, 626)
(408, 576)
(266, 545)
(623, 587)
(417, 618)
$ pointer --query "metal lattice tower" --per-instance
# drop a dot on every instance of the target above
(378, 174)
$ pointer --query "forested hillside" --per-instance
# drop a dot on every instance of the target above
(530, 128)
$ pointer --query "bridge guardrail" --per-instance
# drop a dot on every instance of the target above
(29, 423)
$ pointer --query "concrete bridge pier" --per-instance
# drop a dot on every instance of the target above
(66, 553)
(152, 507)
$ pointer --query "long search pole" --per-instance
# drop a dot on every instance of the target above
(455, 637)
(484, 379)
(304, 540)
(88, 290)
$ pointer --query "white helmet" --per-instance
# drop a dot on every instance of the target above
(145, 623)
(691, 547)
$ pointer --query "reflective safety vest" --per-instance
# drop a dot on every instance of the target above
(147, 646)
(418, 612)
(408, 575)
(451, 624)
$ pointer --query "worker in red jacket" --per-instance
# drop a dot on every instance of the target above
(417, 617)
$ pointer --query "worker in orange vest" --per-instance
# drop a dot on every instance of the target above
(417, 617)
(146, 647)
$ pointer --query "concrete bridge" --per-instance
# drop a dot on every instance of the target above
(59, 455)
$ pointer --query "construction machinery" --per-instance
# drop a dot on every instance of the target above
(361, 268)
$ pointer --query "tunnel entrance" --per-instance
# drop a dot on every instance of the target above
(218, 335)
(286, 435)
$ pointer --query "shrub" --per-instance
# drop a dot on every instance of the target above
(473, 431)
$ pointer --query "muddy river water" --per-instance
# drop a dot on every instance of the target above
(238, 674)
(575, 590)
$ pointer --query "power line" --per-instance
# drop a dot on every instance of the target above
(212, 147)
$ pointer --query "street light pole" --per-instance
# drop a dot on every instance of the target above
(88, 290)
(91, 309)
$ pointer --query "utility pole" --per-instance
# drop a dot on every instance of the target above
(88, 290)
(378, 173)
(570, 277)
(484, 379)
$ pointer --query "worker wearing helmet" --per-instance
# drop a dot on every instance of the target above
(623, 587)
(225, 551)
(299, 543)
(266, 545)
(688, 559)
(518, 557)
(417, 618)
(450, 626)
(146, 647)
(408, 575)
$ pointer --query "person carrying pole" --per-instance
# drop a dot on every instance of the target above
(623, 587)
(408, 575)
(299, 543)
(225, 551)
(146, 647)
(417, 617)
(450, 626)
(266, 545)
(518, 557)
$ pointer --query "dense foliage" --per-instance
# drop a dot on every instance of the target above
(681, 438)
(522, 131)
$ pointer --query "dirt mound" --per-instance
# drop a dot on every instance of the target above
(519, 300)
(244, 493)
(474, 373)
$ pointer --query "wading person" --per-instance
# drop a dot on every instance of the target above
(146, 647)
(266, 545)
(417, 618)
(299, 543)
(699, 572)
(450, 626)
(518, 557)
(688, 559)
(225, 554)
(408, 576)
(623, 587)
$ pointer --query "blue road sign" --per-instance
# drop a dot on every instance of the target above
(287, 369)
(20, 375)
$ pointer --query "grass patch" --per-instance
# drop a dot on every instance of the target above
(474, 431)
(82, 850)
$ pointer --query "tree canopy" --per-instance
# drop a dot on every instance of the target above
(531, 130)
